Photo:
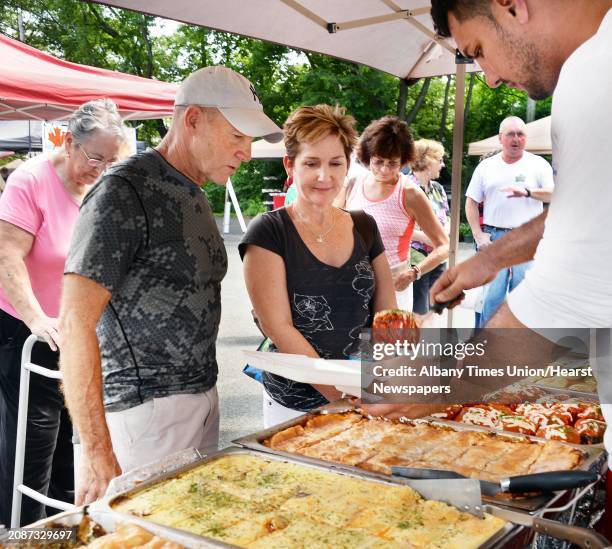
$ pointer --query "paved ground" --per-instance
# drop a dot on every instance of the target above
(240, 396)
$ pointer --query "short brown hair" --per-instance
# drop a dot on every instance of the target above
(426, 150)
(461, 9)
(387, 137)
(311, 124)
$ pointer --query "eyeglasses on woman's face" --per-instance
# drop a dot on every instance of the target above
(379, 163)
(96, 163)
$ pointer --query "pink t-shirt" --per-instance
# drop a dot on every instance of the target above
(36, 201)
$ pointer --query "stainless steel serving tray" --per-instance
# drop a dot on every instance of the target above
(551, 392)
(109, 519)
(194, 541)
(594, 455)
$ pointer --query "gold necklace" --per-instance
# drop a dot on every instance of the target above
(319, 237)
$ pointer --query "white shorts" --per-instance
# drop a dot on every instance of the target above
(274, 413)
(161, 426)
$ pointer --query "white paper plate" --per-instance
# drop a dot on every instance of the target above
(345, 373)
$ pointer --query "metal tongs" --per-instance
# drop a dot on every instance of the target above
(538, 482)
(466, 494)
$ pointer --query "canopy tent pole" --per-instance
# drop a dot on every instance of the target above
(229, 190)
(227, 210)
(456, 176)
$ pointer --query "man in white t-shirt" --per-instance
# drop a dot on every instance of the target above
(512, 186)
(543, 46)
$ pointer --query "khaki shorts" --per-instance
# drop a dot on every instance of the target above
(161, 426)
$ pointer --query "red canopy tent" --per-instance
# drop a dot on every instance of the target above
(36, 85)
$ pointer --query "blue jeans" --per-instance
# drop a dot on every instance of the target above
(505, 281)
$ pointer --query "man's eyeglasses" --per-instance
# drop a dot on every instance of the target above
(512, 135)
(95, 162)
(379, 163)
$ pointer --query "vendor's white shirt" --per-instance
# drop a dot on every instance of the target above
(570, 283)
(493, 174)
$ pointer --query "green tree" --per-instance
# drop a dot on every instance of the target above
(130, 42)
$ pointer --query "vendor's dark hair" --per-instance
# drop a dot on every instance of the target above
(387, 137)
(461, 9)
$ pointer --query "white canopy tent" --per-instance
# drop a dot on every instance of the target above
(262, 150)
(538, 140)
(394, 36)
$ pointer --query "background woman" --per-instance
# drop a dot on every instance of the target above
(38, 210)
(394, 202)
(426, 166)
(315, 273)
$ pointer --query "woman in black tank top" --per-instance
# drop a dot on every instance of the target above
(315, 273)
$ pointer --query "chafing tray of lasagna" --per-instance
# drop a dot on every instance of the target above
(240, 497)
(346, 440)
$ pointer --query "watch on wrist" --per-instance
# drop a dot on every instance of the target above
(417, 272)
(528, 195)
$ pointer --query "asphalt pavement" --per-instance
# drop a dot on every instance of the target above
(240, 396)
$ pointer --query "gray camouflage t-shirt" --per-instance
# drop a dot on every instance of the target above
(147, 234)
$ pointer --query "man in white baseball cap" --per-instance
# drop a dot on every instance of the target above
(145, 268)
(233, 96)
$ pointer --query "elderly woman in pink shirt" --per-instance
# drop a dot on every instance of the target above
(38, 210)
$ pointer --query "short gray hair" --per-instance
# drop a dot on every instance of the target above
(99, 114)
(506, 121)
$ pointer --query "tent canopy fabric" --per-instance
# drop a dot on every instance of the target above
(394, 36)
(21, 135)
(36, 85)
(262, 150)
(538, 140)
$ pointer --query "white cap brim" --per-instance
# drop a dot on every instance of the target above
(252, 122)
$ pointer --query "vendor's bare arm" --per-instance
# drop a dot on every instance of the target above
(264, 274)
(518, 246)
(508, 341)
(83, 302)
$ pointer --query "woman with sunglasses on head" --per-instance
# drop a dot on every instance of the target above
(315, 274)
(38, 210)
(395, 202)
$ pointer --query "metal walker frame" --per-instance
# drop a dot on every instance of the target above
(20, 489)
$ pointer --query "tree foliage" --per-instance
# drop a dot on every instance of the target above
(285, 79)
